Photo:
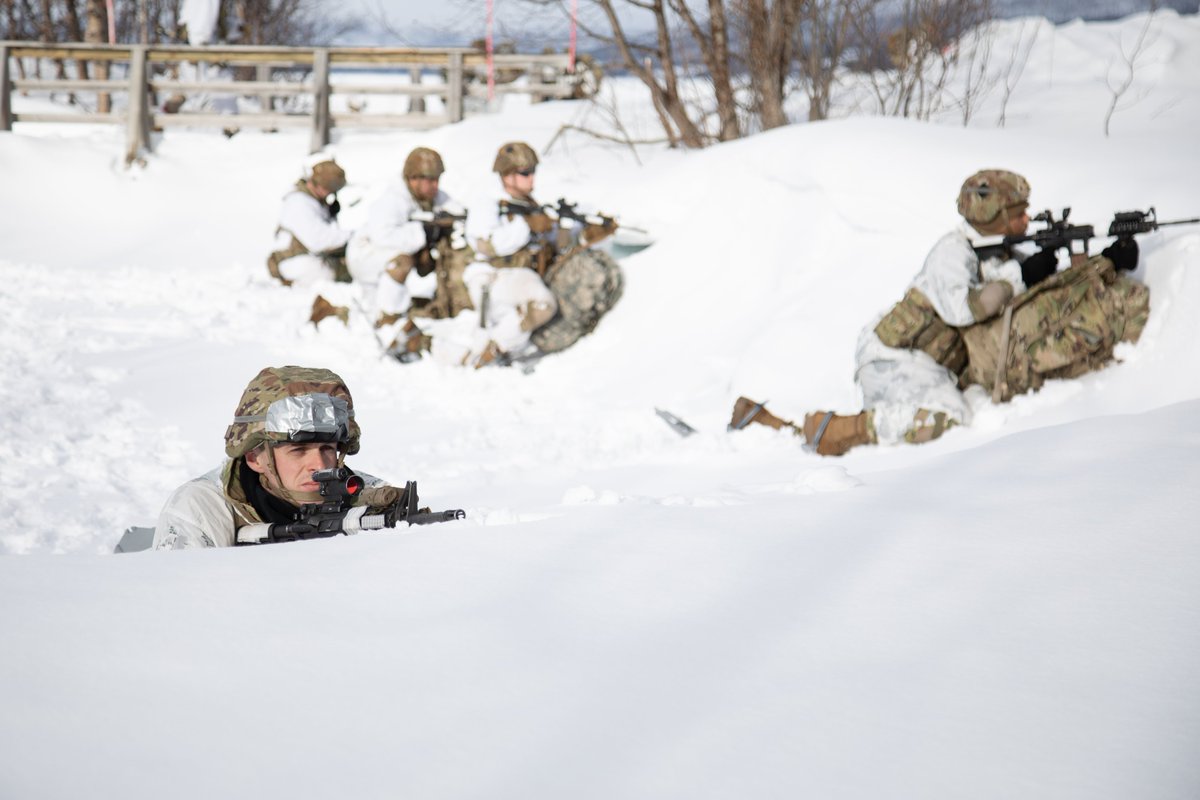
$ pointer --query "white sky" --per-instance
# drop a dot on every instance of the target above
(416, 20)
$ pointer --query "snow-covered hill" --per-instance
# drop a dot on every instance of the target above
(1007, 612)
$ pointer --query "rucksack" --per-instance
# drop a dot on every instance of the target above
(1064, 327)
(586, 284)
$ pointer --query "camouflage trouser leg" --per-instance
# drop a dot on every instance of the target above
(913, 398)
(337, 263)
(928, 425)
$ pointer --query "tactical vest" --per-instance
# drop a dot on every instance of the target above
(451, 296)
(279, 256)
(913, 324)
(540, 254)
(1064, 327)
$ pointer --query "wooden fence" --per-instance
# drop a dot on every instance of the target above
(151, 74)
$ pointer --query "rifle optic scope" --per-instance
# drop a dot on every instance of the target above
(337, 482)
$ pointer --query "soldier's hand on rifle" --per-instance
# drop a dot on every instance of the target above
(539, 223)
(433, 232)
(1123, 253)
(1039, 266)
(382, 496)
(592, 233)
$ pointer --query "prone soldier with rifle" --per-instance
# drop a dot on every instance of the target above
(286, 476)
(981, 312)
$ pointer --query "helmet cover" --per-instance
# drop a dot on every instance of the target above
(989, 192)
(293, 404)
(515, 157)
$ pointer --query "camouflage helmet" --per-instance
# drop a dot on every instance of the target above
(423, 163)
(987, 193)
(515, 157)
(328, 175)
(293, 404)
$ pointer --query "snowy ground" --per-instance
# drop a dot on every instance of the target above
(1008, 612)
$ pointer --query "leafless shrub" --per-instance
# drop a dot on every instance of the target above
(1130, 58)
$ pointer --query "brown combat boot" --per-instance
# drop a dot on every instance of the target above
(388, 319)
(409, 344)
(746, 411)
(322, 308)
(489, 355)
(832, 434)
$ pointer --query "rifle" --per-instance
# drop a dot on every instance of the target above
(334, 515)
(442, 218)
(560, 211)
(1056, 234)
(439, 225)
(1126, 224)
(567, 210)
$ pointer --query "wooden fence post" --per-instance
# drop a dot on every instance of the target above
(454, 87)
(137, 130)
(416, 103)
(5, 91)
(262, 73)
(320, 120)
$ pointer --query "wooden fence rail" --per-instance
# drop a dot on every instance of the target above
(151, 73)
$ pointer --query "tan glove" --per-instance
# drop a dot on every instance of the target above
(593, 234)
(382, 496)
(989, 300)
(539, 223)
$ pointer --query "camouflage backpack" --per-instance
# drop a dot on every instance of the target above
(586, 284)
(1064, 327)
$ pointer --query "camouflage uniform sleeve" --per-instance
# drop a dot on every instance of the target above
(195, 515)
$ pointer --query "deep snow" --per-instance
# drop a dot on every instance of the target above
(1007, 612)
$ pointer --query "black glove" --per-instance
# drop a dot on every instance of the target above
(334, 207)
(1038, 267)
(433, 233)
(1123, 253)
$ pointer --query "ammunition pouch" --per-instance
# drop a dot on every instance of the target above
(279, 256)
(451, 295)
(913, 324)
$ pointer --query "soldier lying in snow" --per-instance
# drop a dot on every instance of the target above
(291, 426)
(956, 319)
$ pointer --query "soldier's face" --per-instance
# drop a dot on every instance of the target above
(518, 184)
(319, 192)
(423, 187)
(294, 465)
(1018, 223)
